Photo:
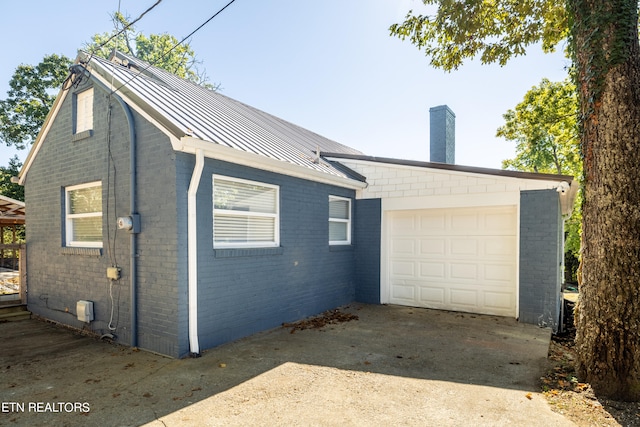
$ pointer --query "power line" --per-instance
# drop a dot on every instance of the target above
(127, 26)
(174, 46)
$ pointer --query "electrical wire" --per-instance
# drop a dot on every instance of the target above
(135, 76)
(126, 27)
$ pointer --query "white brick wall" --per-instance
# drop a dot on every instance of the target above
(396, 181)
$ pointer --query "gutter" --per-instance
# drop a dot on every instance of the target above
(192, 239)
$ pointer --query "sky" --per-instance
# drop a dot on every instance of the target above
(327, 65)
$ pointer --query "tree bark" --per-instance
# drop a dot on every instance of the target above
(607, 59)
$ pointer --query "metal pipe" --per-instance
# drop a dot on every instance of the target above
(192, 233)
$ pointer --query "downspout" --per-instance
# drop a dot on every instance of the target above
(192, 229)
(135, 218)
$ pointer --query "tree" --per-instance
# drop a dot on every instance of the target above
(8, 188)
(603, 41)
(545, 130)
(33, 88)
(30, 97)
(162, 50)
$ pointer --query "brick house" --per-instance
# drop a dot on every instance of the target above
(175, 219)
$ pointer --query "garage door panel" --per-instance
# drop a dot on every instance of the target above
(463, 271)
(498, 300)
(499, 272)
(433, 270)
(433, 247)
(405, 246)
(467, 298)
(455, 259)
(464, 247)
(403, 292)
(403, 269)
(433, 296)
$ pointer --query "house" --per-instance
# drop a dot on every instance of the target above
(173, 218)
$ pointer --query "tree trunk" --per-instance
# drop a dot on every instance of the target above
(607, 59)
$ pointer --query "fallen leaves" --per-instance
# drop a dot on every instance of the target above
(330, 317)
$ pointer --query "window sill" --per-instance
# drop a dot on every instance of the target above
(81, 251)
(246, 252)
(340, 248)
(82, 135)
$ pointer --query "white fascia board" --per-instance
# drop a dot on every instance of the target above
(232, 155)
(451, 201)
(553, 183)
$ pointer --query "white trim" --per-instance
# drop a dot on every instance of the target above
(69, 218)
(340, 220)
(192, 250)
(232, 155)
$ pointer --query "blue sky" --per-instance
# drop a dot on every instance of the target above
(327, 65)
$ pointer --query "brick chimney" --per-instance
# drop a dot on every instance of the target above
(442, 134)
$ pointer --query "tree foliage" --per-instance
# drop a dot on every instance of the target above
(544, 128)
(8, 188)
(493, 30)
(32, 90)
(161, 50)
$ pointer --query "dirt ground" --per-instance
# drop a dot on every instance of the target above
(360, 366)
(574, 399)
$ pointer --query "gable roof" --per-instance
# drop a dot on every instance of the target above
(190, 110)
(194, 117)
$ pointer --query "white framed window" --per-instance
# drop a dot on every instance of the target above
(339, 220)
(246, 214)
(84, 110)
(83, 215)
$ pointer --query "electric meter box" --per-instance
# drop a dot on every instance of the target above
(84, 309)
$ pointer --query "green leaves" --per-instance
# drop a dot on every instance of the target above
(32, 92)
(494, 30)
(161, 50)
(544, 127)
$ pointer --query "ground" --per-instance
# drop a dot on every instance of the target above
(574, 399)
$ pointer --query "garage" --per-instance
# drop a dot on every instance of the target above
(462, 259)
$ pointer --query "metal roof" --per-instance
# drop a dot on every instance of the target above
(11, 211)
(450, 167)
(188, 109)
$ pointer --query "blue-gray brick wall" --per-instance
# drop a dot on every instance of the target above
(59, 276)
(540, 258)
(367, 245)
(243, 291)
(240, 292)
(442, 135)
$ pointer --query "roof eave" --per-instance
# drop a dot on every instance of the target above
(220, 152)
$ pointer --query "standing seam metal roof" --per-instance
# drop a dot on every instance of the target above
(214, 117)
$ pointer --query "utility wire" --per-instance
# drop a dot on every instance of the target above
(135, 76)
(126, 27)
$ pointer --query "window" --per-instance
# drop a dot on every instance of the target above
(83, 215)
(339, 221)
(245, 213)
(84, 111)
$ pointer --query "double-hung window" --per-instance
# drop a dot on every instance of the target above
(84, 111)
(83, 215)
(245, 213)
(339, 220)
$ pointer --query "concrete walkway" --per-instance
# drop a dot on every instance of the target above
(393, 366)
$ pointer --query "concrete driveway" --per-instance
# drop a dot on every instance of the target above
(393, 366)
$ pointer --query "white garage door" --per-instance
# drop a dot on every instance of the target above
(461, 259)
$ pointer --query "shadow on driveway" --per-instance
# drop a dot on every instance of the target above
(395, 365)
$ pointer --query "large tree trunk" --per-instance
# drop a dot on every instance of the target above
(605, 39)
